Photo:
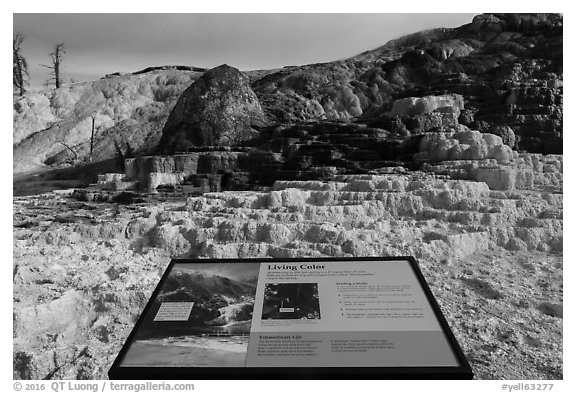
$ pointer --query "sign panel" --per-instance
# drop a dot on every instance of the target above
(307, 318)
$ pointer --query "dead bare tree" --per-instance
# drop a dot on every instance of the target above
(92, 134)
(19, 66)
(57, 58)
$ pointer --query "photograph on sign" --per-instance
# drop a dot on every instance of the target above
(218, 300)
(291, 301)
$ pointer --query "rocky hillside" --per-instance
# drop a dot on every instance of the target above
(129, 110)
(507, 68)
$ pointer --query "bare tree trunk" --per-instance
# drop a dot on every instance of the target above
(58, 54)
(19, 77)
(20, 80)
(57, 58)
(92, 136)
(20, 67)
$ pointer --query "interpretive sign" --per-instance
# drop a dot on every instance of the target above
(296, 318)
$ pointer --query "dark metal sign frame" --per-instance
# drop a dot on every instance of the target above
(462, 371)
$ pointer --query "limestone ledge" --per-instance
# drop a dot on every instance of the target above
(525, 171)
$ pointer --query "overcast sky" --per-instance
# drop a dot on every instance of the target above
(99, 44)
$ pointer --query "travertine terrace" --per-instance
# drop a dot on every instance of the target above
(492, 258)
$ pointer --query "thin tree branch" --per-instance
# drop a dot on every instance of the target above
(69, 148)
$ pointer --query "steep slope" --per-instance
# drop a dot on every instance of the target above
(129, 110)
(508, 67)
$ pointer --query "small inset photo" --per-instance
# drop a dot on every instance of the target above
(291, 301)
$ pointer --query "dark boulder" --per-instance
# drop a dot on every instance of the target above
(219, 109)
